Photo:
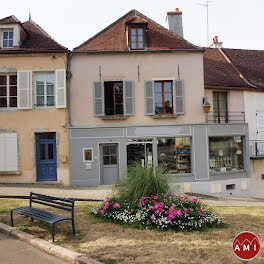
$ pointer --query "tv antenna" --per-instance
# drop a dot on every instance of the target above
(207, 8)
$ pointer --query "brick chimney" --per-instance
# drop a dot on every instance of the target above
(174, 22)
(216, 43)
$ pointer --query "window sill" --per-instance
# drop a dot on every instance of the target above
(165, 116)
(10, 173)
(8, 109)
(227, 172)
(114, 117)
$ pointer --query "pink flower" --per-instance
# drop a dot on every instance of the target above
(186, 209)
(153, 217)
(173, 205)
(108, 199)
(201, 214)
(144, 197)
(195, 200)
(116, 205)
(102, 211)
(181, 197)
(130, 211)
(186, 198)
(179, 212)
(106, 205)
(167, 212)
(200, 209)
(155, 207)
(142, 202)
(159, 211)
(161, 204)
(154, 196)
(203, 219)
(169, 217)
(155, 203)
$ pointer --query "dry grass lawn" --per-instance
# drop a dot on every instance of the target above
(112, 243)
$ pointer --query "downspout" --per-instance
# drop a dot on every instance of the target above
(69, 75)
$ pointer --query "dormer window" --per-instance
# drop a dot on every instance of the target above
(8, 38)
(137, 38)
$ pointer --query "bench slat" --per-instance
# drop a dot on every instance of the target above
(51, 205)
(51, 201)
(40, 214)
(51, 197)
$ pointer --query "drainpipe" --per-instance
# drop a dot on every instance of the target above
(68, 76)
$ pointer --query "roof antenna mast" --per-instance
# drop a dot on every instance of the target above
(29, 15)
(207, 20)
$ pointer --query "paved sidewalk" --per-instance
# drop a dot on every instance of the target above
(14, 251)
(101, 192)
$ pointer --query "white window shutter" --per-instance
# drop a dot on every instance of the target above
(24, 88)
(11, 152)
(128, 98)
(61, 88)
(98, 94)
(149, 98)
(2, 151)
(178, 97)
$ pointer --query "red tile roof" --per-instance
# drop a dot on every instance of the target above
(36, 39)
(234, 68)
(113, 37)
(9, 20)
(250, 64)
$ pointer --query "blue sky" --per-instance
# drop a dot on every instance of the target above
(238, 23)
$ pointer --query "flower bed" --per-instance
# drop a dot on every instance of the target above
(165, 212)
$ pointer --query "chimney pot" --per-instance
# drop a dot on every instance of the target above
(177, 9)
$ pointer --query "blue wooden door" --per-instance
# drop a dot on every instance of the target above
(46, 157)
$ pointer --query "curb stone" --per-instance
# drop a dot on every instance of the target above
(48, 247)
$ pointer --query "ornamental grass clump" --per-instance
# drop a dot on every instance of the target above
(165, 212)
(142, 181)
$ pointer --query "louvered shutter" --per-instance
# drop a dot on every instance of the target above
(11, 152)
(128, 98)
(149, 98)
(178, 97)
(60, 88)
(2, 151)
(260, 132)
(98, 98)
(24, 89)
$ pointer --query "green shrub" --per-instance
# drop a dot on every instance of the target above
(142, 181)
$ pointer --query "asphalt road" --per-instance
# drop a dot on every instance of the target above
(14, 251)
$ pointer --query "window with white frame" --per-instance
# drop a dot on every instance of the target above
(87, 155)
(45, 92)
(8, 91)
(8, 39)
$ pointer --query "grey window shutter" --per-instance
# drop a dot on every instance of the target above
(149, 98)
(178, 97)
(98, 98)
(129, 98)
(24, 89)
(60, 88)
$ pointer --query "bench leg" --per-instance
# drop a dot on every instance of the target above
(52, 232)
(73, 227)
(11, 218)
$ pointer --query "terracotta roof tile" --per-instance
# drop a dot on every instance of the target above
(218, 72)
(9, 20)
(35, 39)
(250, 63)
(113, 37)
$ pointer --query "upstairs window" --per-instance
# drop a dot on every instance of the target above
(163, 97)
(8, 91)
(137, 38)
(45, 89)
(8, 37)
(113, 98)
